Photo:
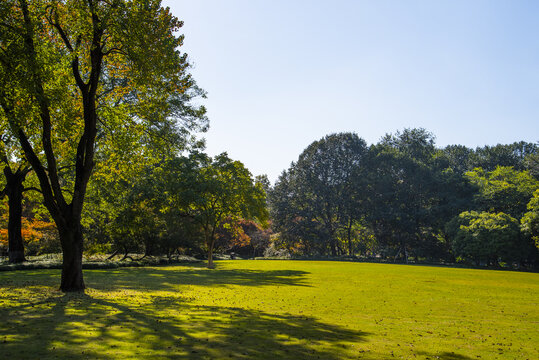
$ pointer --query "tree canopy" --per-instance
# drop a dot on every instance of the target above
(75, 74)
(404, 197)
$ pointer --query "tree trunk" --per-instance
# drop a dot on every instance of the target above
(210, 256)
(405, 254)
(113, 254)
(350, 246)
(71, 240)
(332, 244)
(14, 189)
(398, 253)
(14, 227)
(210, 240)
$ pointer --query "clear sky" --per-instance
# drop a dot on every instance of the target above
(283, 73)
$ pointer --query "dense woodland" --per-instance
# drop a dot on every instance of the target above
(102, 152)
(402, 199)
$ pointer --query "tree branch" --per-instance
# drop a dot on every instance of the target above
(59, 28)
(85, 148)
(52, 176)
(31, 188)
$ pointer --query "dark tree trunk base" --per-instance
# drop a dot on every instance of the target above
(14, 190)
(16, 257)
(72, 279)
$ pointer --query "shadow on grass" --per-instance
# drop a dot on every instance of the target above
(80, 326)
(162, 278)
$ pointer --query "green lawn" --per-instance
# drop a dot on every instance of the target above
(272, 310)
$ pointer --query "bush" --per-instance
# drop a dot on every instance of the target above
(273, 252)
(485, 237)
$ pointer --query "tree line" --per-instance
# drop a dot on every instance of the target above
(404, 198)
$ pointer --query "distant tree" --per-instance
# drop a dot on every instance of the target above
(290, 217)
(147, 210)
(415, 143)
(486, 237)
(264, 182)
(243, 237)
(409, 192)
(503, 189)
(456, 157)
(318, 196)
(531, 163)
(490, 157)
(400, 195)
(530, 220)
(223, 190)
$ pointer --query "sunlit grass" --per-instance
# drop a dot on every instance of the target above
(272, 310)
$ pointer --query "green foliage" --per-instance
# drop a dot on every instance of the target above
(486, 237)
(503, 189)
(319, 195)
(225, 190)
(416, 143)
(411, 194)
(455, 157)
(400, 195)
(397, 197)
(531, 163)
(178, 203)
(507, 155)
(530, 220)
(85, 80)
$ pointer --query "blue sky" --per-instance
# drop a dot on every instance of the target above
(281, 74)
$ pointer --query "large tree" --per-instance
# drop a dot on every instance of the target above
(14, 189)
(402, 190)
(319, 196)
(74, 72)
(15, 173)
(224, 190)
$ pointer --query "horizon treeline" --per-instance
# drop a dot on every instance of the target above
(403, 199)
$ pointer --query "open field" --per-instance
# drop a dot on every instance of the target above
(273, 310)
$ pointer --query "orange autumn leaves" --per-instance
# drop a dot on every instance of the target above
(33, 231)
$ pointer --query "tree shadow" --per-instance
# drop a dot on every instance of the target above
(160, 278)
(76, 326)
(168, 277)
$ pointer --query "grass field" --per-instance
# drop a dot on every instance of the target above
(272, 310)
